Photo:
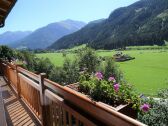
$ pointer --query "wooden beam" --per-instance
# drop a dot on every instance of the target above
(3, 12)
(1, 16)
(5, 4)
(5, 8)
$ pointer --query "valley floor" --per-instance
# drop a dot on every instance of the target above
(148, 72)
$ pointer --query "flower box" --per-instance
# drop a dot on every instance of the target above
(123, 108)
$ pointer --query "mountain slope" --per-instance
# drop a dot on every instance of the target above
(45, 36)
(142, 23)
(10, 37)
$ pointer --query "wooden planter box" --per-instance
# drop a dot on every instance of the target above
(125, 109)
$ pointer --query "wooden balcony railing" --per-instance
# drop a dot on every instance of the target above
(56, 105)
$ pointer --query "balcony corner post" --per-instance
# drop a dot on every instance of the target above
(42, 99)
(18, 82)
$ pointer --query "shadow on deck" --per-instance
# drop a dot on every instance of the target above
(17, 113)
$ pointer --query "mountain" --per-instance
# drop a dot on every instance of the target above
(142, 23)
(9, 37)
(45, 36)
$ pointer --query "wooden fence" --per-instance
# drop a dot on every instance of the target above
(56, 105)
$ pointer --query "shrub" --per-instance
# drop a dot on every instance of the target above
(64, 54)
(71, 69)
(110, 68)
(163, 93)
(44, 65)
(157, 115)
(88, 60)
(29, 60)
(57, 75)
(6, 53)
(67, 74)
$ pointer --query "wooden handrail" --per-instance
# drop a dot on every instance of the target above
(29, 81)
(28, 73)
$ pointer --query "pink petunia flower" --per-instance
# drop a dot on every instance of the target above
(99, 75)
(116, 87)
(145, 107)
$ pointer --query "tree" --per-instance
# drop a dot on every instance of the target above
(88, 60)
(6, 53)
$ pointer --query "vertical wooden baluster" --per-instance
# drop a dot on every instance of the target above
(77, 122)
(70, 119)
(55, 114)
(64, 117)
(60, 115)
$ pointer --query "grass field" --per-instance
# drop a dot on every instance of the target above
(148, 72)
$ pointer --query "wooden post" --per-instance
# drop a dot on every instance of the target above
(42, 100)
(18, 83)
(8, 74)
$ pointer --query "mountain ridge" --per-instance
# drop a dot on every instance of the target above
(142, 23)
(44, 36)
(9, 37)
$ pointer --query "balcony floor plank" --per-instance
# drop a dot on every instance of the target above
(13, 105)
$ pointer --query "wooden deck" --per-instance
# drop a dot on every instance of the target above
(17, 113)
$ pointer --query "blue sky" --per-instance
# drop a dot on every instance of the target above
(32, 14)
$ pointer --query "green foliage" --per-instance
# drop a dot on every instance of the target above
(155, 47)
(64, 54)
(103, 90)
(6, 53)
(163, 93)
(44, 65)
(88, 60)
(29, 60)
(157, 114)
(112, 69)
(57, 75)
(71, 69)
(67, 74)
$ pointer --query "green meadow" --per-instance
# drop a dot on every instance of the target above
(148, 72)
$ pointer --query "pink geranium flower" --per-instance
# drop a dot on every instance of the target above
(111, 79)
(99, 75)
(116, 87)
(145, 107)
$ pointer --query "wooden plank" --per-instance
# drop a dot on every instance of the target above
(2, 111)
(52, 96)
(5, 4)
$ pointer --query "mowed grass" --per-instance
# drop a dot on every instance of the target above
(56, 58)
(148, 72)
